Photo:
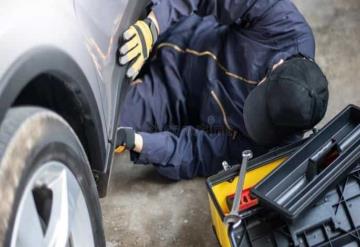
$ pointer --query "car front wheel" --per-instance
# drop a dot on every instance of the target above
(48, 195)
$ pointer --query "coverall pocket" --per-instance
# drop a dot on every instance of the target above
(223, 110)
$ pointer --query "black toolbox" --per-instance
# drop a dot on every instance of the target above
(333, 221)
(315, 168)
(223, 185)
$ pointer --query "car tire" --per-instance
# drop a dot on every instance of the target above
(47, 191)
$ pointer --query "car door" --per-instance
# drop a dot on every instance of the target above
(103, 22)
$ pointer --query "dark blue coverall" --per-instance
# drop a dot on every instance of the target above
(189, 106)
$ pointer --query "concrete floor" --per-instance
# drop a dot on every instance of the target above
(143, 209)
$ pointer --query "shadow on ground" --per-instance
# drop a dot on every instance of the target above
(145, 209)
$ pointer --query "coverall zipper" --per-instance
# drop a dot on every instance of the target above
(226, 122)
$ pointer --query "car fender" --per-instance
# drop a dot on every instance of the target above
(52, 61)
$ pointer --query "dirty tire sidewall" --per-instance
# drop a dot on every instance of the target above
(30, 137)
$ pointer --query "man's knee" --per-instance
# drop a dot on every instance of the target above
(170, 172)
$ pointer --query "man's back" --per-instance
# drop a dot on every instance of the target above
(221, 64)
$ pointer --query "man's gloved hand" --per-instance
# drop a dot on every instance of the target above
(125, 139)
(140, 39)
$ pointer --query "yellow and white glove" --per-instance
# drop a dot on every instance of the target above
(140, 39)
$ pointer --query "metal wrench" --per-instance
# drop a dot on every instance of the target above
(233, 217)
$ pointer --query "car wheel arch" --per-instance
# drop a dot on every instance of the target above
(58, 67)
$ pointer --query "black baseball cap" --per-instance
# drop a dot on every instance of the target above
(294, 98)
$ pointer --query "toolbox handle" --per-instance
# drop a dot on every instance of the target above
(329, 152)
(315, 161)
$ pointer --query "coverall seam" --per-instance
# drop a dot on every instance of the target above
(225, 116)
(206, 54)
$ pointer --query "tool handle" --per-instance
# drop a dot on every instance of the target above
(237, 197)
(246, 156)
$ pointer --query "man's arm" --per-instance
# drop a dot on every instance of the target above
(141, 37)
(284, 28)
(191, 153)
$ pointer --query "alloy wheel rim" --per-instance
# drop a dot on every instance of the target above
(52, 211)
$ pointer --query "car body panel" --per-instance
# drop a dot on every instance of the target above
(103, 23)
(27, 27)
(85, 31)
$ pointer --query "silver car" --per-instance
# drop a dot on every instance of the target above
(60, 93)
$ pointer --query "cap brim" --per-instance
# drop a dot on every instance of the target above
(256, 118)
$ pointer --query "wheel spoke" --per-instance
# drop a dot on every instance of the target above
(74, 193)
(81, 226)
(52, 211)
(58, 229)
(29, 236)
